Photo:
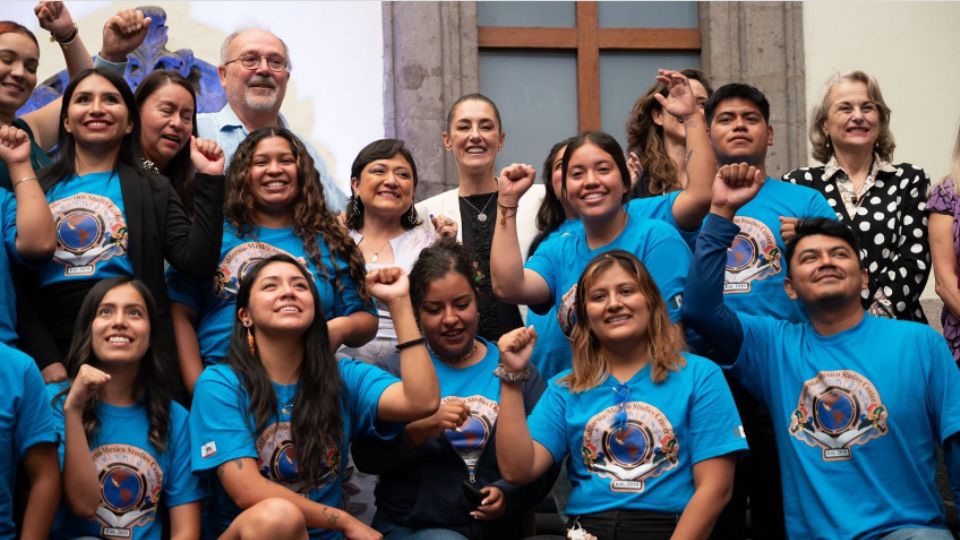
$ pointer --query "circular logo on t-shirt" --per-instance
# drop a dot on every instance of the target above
(837, 410)
(90, 229)
(238, 261)
(278, 462)
(629, 444)
(130, 485)
(472, 436)
(753, 255)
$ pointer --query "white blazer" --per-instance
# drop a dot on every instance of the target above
(447, 204)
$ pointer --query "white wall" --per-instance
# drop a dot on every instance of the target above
(335, 96)
(913, 51)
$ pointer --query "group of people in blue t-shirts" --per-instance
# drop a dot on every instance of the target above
(199, 343)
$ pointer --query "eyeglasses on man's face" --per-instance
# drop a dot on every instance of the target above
(252, 61)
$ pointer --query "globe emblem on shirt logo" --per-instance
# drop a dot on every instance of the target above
(630, 445)
(130, 485)
(837, 410)
(753, 255)
(79, 230)
(472, 436)
(90, 229)
(238, 261)
(277, 458)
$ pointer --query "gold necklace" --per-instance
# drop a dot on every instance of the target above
(376, 252)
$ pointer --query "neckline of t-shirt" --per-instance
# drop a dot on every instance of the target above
(853, 330)
(121, 411)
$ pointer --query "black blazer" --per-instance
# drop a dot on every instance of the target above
(158, 229)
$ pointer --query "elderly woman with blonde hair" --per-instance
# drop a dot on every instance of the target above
(884, 204)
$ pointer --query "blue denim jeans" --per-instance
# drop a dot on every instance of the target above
(919, 533)
(393, 531)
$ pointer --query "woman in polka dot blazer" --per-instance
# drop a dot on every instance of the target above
(884, 204)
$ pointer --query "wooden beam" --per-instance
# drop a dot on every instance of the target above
(588, 67)
(519, 37)
(650, 39)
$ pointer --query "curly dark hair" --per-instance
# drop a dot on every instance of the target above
(645, 137)
(309, 210)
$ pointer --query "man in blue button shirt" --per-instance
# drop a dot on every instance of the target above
(254, 71)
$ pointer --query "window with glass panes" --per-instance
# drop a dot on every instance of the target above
(556, 68)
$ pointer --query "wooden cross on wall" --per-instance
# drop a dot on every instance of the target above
(588, 39)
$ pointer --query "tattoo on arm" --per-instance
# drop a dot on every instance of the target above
(331, 515)
(223, 466)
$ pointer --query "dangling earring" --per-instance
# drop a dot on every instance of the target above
(355, 208)
(251, 341)
(409, 218)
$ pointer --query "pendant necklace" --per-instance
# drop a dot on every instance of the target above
(481, 212)
(376, 252)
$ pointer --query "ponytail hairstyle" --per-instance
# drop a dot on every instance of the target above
(316, 424)
(664, 340)
(154, 378)
(309, 210)
(444, 256)
(180, 168)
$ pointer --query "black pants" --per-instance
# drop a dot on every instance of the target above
(628, 524)
(757, 478)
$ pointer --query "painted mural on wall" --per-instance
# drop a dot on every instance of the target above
(151, 55)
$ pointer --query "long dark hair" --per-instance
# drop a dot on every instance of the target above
(310, 214)
(380, 149)
(65, 164)
(154, 378)
(645, 137)
(179, 169)
(551, 213)
(316, 422)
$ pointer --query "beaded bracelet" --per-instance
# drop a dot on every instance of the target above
(505, 375)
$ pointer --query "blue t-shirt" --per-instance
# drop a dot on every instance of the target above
(552, 345)
(561, 259)
(857, 418)
(632, 446)
(661, 207)
(479, 389)
(25, 421)
(756, 260)
(134, 475)
(215, 302)
(222, 429)
(91, 230)
(8, 303)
